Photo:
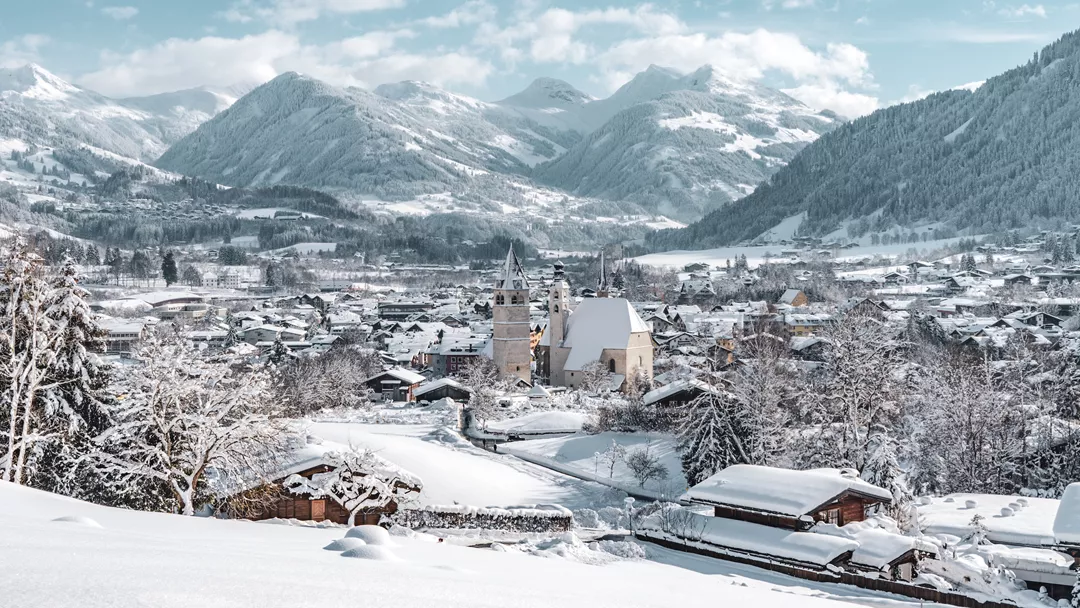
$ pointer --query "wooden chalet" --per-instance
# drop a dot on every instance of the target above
(395, 384)
(272, 500)
(782, 498)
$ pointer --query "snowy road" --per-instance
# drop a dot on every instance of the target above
(455, 471)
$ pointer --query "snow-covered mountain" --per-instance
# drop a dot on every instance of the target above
(176, 114)
(402, 139)
(40, 108)
(683, 145)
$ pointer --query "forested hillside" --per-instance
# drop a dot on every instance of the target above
(1004, 156)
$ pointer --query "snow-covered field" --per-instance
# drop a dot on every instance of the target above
(582, 455)
(455, 471)
(104, 557)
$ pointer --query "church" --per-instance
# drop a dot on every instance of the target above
(603, 329)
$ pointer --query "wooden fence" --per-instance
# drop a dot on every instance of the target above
(472, 518)
(844, 578)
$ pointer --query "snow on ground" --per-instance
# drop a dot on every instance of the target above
(577, 455)
(554, 421)
(170, 561)
(455, 471)
(755, 256)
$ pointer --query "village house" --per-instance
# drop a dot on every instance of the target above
(259, 501)
(395, 384)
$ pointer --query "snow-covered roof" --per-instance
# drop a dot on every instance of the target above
(781, 491)
(1067, 520)
(879, 548)
(805, 547)
(598, 324)
(406, 376)
(681, 384)
(1031, 524)
(159, 298)
(434, 385)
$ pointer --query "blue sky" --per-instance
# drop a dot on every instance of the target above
(846, 55)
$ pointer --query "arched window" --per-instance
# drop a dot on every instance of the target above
(500, 300)
(556, 308)
(514, 300)
(640, 361)
(611, 366)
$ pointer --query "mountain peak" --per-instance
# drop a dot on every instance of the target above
(34, 81)
(547, 92)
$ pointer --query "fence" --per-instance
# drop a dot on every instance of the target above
(542, 518)
(845, 578)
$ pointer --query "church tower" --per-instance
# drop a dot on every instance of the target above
(558, 318)
(511, 340)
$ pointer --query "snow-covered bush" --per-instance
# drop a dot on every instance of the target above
(544, 519)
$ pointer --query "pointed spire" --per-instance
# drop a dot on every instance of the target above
(602, 282)
(512, 275)
(560, 270)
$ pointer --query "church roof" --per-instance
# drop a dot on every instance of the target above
(512, 275)
(598, 324)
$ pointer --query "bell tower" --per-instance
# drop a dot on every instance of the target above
(511, 346)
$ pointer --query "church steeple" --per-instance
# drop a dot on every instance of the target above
(602, 289)
(512, 275)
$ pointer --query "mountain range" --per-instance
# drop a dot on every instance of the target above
(663, 144)
(1004, 155)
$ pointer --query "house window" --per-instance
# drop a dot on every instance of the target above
(513, 300)
(611, 366)
(831, 516)
(500, 300)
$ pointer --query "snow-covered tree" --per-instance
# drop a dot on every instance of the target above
(1075, 599)
(279, 353)
(481, 375)
(50, 381)
(861, 390)
(612, 456)
(883, 470)
(168, 268)
(180, 416)
(360, 481)
(707, 440)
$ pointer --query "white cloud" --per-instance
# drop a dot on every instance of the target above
(291, 12)
(20, 51)
(471, 13)
(831, 97)
(120, 13)
(1024, 10)
(365, 61)
(549, 37)
(786, 4)
(743, 56)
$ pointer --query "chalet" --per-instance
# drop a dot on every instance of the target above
(783, 498)
(793, 297)
(894, 278)
(678, 393)
(1017, 279)
(394, 384)
(806, 324)
(441, 389)
(269, 500)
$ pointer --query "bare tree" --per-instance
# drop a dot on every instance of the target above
(645, 466)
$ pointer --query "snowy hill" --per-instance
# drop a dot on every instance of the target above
(39, 107)
(703, 142)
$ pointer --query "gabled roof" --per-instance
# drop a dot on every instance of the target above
(598, 324)
(404, 375)
(780, 491)
(512, 275)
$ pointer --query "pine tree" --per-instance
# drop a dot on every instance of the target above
(278, 352)
(1075, 600)
(168, 268)
(706, 438)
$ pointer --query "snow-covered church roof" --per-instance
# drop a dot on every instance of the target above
(781, 491)
(598, 324)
